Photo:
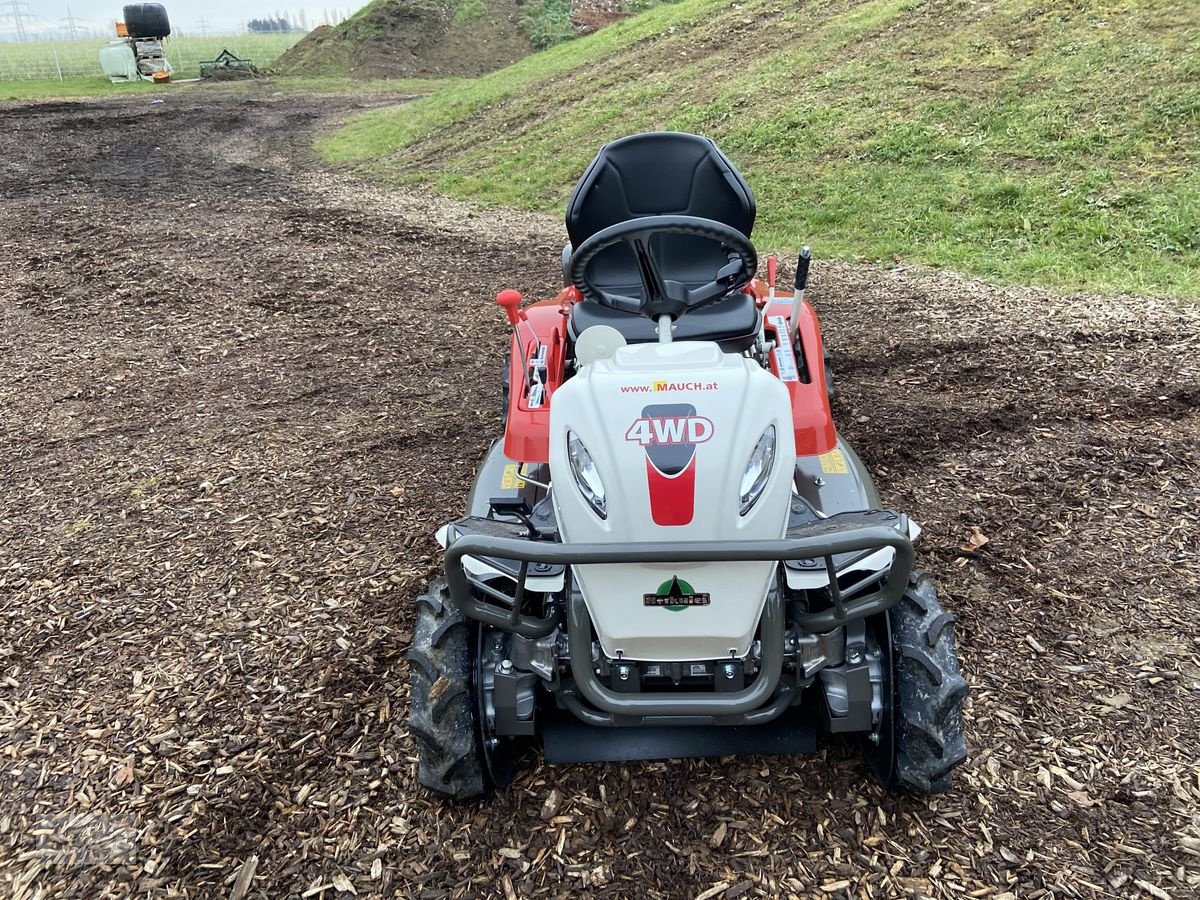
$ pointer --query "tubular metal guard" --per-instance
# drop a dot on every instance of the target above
(850, 532)
(762, 699)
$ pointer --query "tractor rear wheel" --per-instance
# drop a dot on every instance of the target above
(505, 387)
(919, 740)
(830, 388)
(443, 716)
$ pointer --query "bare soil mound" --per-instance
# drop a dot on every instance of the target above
(589, 17)
(424, 38)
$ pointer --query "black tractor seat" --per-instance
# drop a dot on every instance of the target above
(662, 173)
(733, 323)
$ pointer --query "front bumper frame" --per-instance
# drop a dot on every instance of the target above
(844, 533)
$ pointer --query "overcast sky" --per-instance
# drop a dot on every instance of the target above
(185, 15)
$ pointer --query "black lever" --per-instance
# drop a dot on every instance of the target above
(731, 270)
(802, 268)
(798, 296)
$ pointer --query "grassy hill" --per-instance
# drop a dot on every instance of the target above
(1044, 141)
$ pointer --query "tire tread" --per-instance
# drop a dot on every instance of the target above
(442, 716)
(930, 691)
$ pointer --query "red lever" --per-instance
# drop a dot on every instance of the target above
(772, 267)
(511, 301)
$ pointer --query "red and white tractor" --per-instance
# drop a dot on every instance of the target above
(671, 552)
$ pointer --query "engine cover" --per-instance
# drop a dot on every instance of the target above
(671, 428)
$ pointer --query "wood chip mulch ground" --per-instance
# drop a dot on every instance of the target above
(237, 396)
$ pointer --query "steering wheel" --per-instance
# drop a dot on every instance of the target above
(659, 295)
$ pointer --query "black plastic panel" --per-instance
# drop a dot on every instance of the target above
(567, 740)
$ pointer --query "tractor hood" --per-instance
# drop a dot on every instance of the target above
(651, 446)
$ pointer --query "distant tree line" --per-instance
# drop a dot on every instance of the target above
(262, 26)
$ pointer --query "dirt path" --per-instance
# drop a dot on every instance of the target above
(237, 395)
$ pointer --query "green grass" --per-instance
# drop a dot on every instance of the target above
(548, 23)
(469, 11)
(45, 60)
(1018, 140)
(71, 87)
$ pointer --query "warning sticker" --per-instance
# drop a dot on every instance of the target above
(785, 358)
(510, 480)
(834, 463)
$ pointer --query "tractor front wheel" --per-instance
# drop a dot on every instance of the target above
(919, 740)
(443, 716)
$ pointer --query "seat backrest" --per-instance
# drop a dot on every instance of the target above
(659, 173)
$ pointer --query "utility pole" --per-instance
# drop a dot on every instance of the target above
(15, 10)
(202, 25)
(70, 23)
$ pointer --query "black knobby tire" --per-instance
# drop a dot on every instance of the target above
(830, 388)
(505, 388)
(146, 20)
(442, 717)
(929, 691)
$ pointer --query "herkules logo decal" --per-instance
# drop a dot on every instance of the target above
(669, 433)
(675, 595)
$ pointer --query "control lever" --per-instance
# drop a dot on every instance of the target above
(732, 269)
(798, 296)
(510, 300)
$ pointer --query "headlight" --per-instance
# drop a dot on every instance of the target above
(758, 469)
(587, 479)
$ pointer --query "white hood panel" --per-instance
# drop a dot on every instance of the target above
(671, 428)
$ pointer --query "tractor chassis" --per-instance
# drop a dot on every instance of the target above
(525, 649)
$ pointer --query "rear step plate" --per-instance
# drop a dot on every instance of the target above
(571, 741)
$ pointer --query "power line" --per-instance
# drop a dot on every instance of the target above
(203, 26)
(70, 23)
(14, 8)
